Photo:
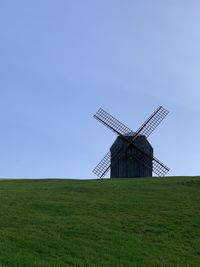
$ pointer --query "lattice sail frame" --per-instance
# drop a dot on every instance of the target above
(146, 129)
(112, 123)
(153, 121)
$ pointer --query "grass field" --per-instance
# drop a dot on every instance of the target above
(129, 222)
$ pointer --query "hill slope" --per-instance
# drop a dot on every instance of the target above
(129, 222)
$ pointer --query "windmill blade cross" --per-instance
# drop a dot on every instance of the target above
(119, 128)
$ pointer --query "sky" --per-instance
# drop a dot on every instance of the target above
(60, 61)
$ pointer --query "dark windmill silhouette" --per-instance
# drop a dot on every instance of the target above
(131, 155)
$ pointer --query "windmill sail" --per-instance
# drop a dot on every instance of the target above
(119, 128)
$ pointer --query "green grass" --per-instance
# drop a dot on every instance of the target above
(122, 222)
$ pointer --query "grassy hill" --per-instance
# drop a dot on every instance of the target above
(129, 222)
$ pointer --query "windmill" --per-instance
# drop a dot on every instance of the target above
(131, 155)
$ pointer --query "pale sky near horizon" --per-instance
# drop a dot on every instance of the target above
(62, 60)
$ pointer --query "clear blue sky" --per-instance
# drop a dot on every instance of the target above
(62, 60)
